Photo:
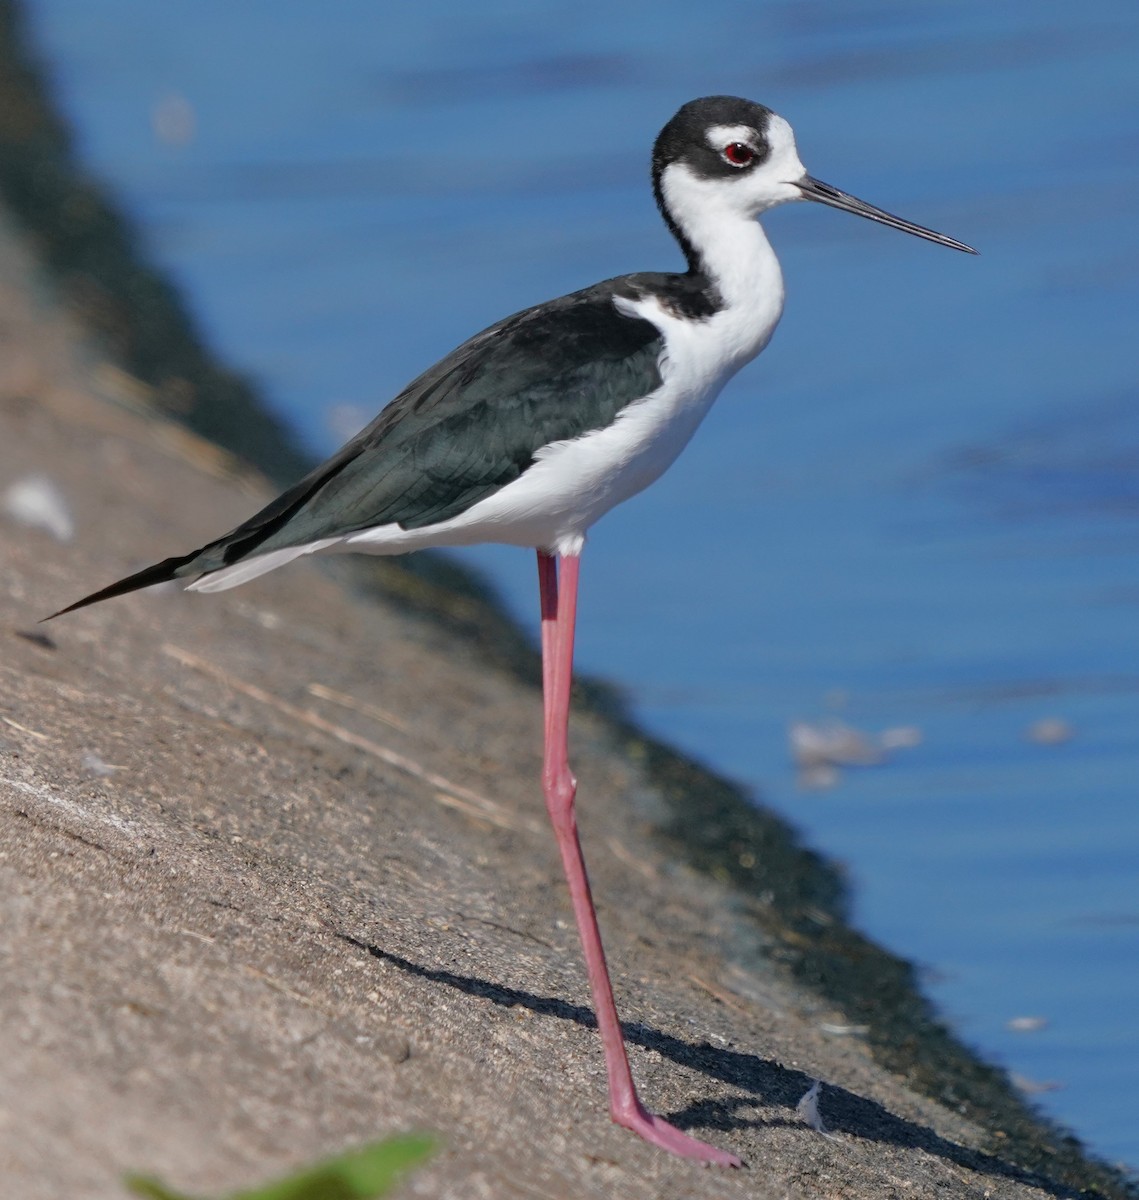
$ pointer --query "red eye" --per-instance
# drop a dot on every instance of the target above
(739, 154)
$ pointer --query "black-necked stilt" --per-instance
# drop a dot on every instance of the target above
(535, 428)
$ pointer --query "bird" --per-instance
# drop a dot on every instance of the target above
(532, 430)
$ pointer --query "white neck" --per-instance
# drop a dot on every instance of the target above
(733, 251)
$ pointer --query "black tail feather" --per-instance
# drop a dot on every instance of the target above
(161, 572)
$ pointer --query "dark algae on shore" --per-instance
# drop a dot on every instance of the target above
(796, 899)
(91, 251)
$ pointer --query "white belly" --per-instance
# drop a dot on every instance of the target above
(569, 487)
(573, 483)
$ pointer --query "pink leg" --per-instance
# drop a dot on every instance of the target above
(558, 614)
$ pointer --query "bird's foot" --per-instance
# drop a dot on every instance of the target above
(660, 1133)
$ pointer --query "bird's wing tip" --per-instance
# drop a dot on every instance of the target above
(161, 572)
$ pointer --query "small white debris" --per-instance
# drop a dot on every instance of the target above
(36, 501)
(808, 1109)
(1026, 1024)
(900, 737)
(174, 120)
(94, 765)
(1050, 731)
(819, 748)
(1035, 1087)
(832, 742)
(843, 1030)
(259, 616)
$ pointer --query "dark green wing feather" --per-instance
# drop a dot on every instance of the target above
(460, 432)
(472, 424)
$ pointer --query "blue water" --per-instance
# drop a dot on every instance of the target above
(919, 508)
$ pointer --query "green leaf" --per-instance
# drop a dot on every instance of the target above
(364, 1174)
(144, 1185)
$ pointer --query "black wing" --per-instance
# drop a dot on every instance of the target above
(462, 430)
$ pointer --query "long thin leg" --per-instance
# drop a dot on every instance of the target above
(559, 610)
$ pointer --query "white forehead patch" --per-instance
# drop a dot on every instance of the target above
(783, 161)
(720, 136)
(780, 136)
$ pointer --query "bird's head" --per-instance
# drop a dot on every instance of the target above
(722, 157)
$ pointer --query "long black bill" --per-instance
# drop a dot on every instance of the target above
(815, 189)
